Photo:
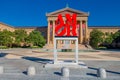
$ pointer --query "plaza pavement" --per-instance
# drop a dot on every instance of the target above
(16, 62)
(38, 53)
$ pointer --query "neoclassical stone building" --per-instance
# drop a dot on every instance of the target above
(82, 21)
(48, 32)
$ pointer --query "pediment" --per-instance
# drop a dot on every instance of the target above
(69, 11)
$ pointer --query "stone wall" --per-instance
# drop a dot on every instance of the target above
(6, 27)
(28, 29)
(105, 29)
(43, 29)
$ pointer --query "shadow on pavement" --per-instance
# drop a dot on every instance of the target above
(93, 68)
(93, 74)
(58, 73)
(3, 54)
(108, 71)
(39, 60)
(113, 72)
(25, 72)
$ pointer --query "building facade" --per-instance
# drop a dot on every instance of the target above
(82, 24)
(48, 32)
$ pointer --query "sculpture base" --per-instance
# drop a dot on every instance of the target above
(61, 64)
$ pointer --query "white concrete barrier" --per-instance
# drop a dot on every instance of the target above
(65, 72)
(1, 70)
(31, 71)
(101, 73)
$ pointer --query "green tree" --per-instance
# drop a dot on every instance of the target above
(6, 38)
(116, 34)
(109, 38)
(20, 36)
(36, 39)
(96, 37)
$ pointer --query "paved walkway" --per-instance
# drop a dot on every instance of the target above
(94, 55)
(16, 62)
(15, 69)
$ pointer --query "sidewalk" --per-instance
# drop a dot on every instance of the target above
(16, 62)
(101, 55)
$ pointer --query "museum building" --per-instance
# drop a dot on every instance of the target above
(83, 30)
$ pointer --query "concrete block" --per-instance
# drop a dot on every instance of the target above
(31, 71)
(101, 73)
(65, 72)
(1, 70)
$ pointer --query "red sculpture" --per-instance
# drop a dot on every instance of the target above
(67, 28)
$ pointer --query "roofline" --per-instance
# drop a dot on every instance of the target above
(86, 14)
(31, 27)
(25, 27)
(105, 27)
(46, 26)
(6, 24)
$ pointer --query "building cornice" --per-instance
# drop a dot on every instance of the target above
(104, 27)
(67, 9)
(6, 25)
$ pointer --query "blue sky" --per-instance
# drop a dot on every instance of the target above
(32, 12)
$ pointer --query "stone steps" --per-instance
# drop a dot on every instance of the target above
(71, 46)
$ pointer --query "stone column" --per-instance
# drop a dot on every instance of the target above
(48, 33)
(86, 30)
(81, 32)
(53, 31)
